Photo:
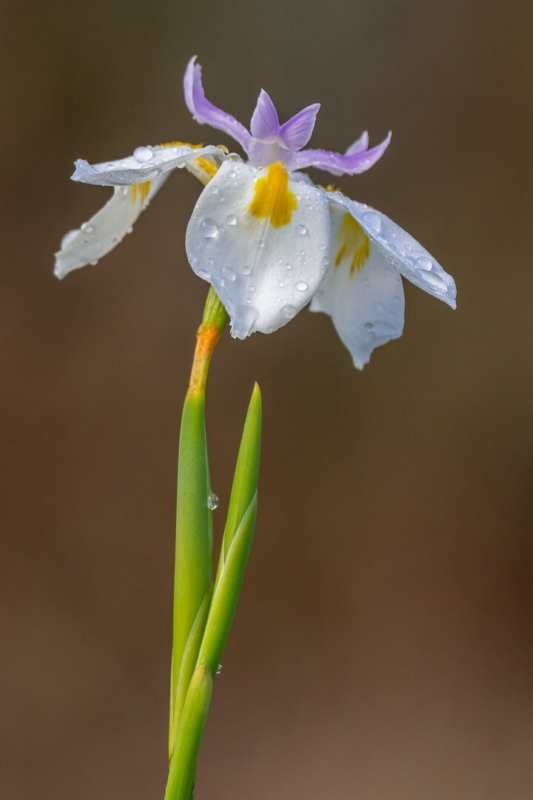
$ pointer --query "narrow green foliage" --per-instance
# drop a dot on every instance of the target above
(227, 591)
(246, 471)
(185, 754)
(194, 533)
(237, 539)
(188, 663)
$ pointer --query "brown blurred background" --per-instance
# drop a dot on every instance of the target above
(383, 645)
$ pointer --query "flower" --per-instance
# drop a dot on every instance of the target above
(267, 239)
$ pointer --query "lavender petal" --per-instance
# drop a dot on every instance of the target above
(205, 112)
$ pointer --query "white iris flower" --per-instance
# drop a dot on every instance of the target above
(267, 239)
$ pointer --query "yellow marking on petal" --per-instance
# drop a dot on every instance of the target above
(207, 166)
(141, 190)
(353, 242)
(273, 199)
(181, 144)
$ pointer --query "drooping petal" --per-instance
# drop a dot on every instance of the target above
(359, 145)
(107, 228)
(402, 251)
(205, 112)
(265, 122)
(296, 132)
(362, 292)
(146, 164)
(262, 241)
(339, 164)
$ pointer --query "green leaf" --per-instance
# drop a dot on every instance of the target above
(188, 663)
(191, 728)
(194, 532)
(246, 471)
(227, 591)
(238, 535)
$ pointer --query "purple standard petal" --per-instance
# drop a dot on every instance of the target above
(336, 163)
(359, 144)
(265, 121)
(205, 112)
(296, 132)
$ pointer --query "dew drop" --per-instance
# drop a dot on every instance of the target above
(86, 228)
(302, 286)
(203, 273)
(373, 220)
(69, 237)
(231, 220)
(288, 266)
(325, 261)
(142, 154)
(219, 668)
(246, 269)
(281, 284)
(288, 312)
(230, 274)
(423, 262)
(434, 281)
(208, 228)
(301, 229)
(212, 501)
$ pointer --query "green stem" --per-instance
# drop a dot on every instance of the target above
(194, 532)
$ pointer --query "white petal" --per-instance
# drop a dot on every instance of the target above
(106, 229)
(366, 305)
(402, 251)
(263, 274)
(145, 164)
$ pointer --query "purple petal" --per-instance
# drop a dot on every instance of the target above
(337, 164)
(297, 131)
(205, 112)
(359, 144)
(265, 120)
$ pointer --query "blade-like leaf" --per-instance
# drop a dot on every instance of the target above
(227, 591)
(194, 532)
(191, 727)
(188, 663)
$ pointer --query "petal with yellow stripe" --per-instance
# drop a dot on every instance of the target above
(262, 240)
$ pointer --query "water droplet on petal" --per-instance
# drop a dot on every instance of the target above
(423, 262)
(212, 501)
(288, 312)
(86, 228)
(325, 261)
(208, 228)
(246, 269)
(281, 284)
(229, 274)
(301, 229)
(203, 273)
(142, 154)
(373, 220)
(231, 220)
(288, 266)
(302, 286)
(434, 281)
(69, 237)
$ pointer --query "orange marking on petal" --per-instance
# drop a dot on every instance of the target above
(353, 242)
(273, 199)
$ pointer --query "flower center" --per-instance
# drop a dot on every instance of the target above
(273, 199)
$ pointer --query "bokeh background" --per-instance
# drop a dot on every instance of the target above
(383, 644)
